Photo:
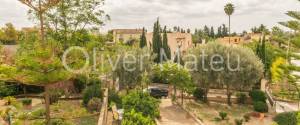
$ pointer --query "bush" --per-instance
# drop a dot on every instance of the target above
(258, 95)
(223, 115)
(94, 105)
(135, 118)
(55, 94)
(60, 122)
(79, 84)
(261, 107)
(239, 121)
(27, 101)
(38, 113)
(141, 102)
(199, 94)
(241, 98)
(92, 92)
(113, 97)
(8, 89)
(287, 118)
(247, 117)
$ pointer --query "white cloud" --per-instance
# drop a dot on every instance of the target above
(184, 13)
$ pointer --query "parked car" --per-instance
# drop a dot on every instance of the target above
(158, 92)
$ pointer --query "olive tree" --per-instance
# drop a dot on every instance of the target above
(219, 65)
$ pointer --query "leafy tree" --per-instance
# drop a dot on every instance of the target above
(157, 41)
(176, 75)
(132, 64)
(237, 68)
(9, 34)
(165, 44)
(143, 40)
(206, 30)
(141, 102)
(136, 118)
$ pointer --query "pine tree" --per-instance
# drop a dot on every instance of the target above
(165, 45)
(157, 43)
(143, 40)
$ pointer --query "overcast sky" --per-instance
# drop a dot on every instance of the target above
(184, 13)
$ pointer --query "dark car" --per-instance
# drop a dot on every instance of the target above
(158, 92)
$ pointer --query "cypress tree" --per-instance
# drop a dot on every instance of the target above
(224, 31)
(165, 44)
(157, 43)
(206, 31)
(212, 32)
(143, 40)
(219, 32)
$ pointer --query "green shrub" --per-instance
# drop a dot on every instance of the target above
(247, 117)
(239, 121)
(287, 118)
(92, 92)
(199, 94)
(8, 89)
(38, 113)
(55, 94)
(258, 95)
(79, 84)
(260, 107)
(136, 118)
(60, 122)
(94, 105)
(113, 97)
(141, 102)
(223, 115)
(26, 101)
(241, 98)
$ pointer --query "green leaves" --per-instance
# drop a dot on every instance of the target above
(229, 9)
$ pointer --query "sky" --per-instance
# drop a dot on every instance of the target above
(184, 13)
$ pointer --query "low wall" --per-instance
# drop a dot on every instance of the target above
(104, 109)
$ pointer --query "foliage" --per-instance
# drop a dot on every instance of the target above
(258, 95)
(80, 83)
(141, 102)
(239, 121)
(287, 118)
(136, 118)
(165, 45)
(114, 97)
(223, 115)
(60, 122)
(94, 105)
(132, 63)
(237, 68)
(260, 106)
(26, 101)
(241, 98)
(157, 42)
(247, 117)
(199, 94)
(229, 9)
(8, 89)
(69, 19)
(9, 35)
(93, 91)
(55, 94)
(143, 40)
(276, 69)
(176, 75)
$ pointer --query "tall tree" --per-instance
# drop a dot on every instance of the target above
(143, 39)
(40, 7)
(212, 32)
(165, 44)
(224, 30)
(206, 30)
(219, 34)
(229, 10)
(157, 41)
(10, 34)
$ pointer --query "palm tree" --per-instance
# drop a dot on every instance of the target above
(229, 10)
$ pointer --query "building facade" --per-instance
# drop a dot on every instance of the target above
(126, 35)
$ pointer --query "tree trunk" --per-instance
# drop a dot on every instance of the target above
(182, 98)
(228, 96)
(47, 104)
(229, 30)
(41, 22)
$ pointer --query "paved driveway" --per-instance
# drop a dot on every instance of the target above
(174, 115)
